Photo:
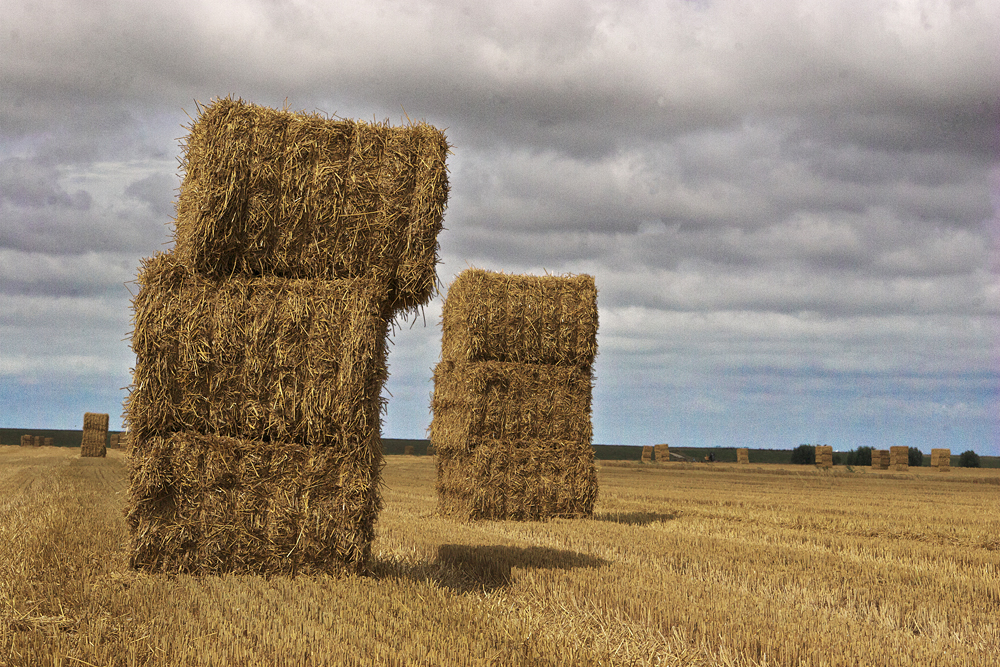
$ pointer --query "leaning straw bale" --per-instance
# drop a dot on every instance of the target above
(662, 453)
(526, 480)
(523, 319)
(743, 455)
(899, 457)
(207, 504)
(511, 401)
(270, 192)
(95, 435)
(256, 358)
(647, 454)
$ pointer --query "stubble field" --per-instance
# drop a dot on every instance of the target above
(682, 564)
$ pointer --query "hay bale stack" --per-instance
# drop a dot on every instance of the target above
(26, 440)
(260, 339)
(275, 193)
(95, 435)
(941, 459)
(113, 440)
(880, 459)
(824, 456)
(743, 455)
(48, 442)
(899, 458)
(662, 453)
(512, 397)
(647, 454)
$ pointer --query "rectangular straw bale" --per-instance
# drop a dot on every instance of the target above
(899, 457)
(208, 504)
(510, 401)
(824, 456)
(941, 459)
(49, 442)
(271, 192)
(880, 459)
(743, 455)
(95, 435)
(662, 453)
(256, 358)
(26, 440)
(490, 316)
(647, 454)
(526, 480)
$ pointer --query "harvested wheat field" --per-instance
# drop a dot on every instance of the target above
(680, 565)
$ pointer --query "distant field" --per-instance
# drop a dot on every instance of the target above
(683, 564)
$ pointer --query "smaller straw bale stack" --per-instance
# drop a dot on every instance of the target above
(512, 397)
(941, 459)
(880, 459)
(408, 450)
(27, 441)
(39, 441)
(95, 434)
(114, 440)
(824, 456)
(743, 455)
(662, 453)
(899, 458)
(49, 442)
(647, 454)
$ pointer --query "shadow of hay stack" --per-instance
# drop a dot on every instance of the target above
(512, 397)
(469, 568)
(260, 339)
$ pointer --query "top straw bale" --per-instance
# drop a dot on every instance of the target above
(490, 316)
(295, 195)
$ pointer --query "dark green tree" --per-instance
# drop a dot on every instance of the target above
(804, 455)
(915, 457)
(862, 456)
(968, 459)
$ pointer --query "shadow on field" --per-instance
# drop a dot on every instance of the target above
(465, 569)
(636, 518)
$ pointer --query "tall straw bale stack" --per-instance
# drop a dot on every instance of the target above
(662, 453)
(647, 454)
(880, 459)
(743, 455)
(824, 456)
(95, 435)
(512, 397)
(521, 319)
(210, 504)
(26, 440)
(36, 441)
(257, 358)
(941, 459)
(276, 193)
(899, 458)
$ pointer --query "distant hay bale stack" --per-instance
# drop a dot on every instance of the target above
(880, 459)
(49, 442)
(113, 440)
(408, 450)
(662, 453)
(899, 458)
(95, 435)
(743, 455)
(511, 419)
(941, 459)
(26, 441)
(824, 456)
(647, 454)
(295, 195)
(208, 504)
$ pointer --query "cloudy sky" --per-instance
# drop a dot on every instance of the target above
(790, 206)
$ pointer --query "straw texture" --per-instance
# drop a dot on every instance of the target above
(662, 453)
(95, 435)
(824, 456)
(269, 192)
(743, 455)
(899, 458)
(647, 454)
(941, 459)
